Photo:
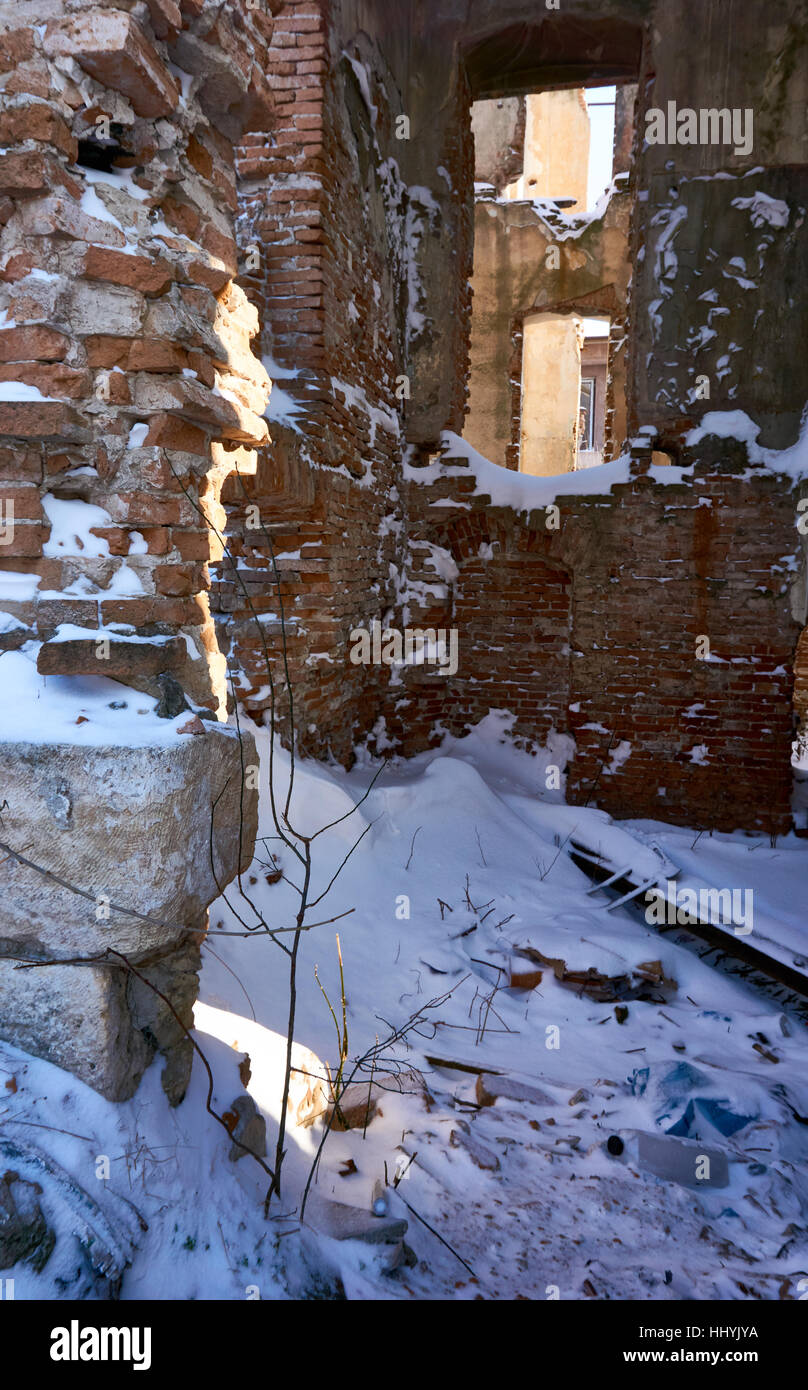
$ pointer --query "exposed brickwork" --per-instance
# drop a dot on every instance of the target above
(281, 170)
(357, 255)
(646, 635)
(580, 624)
(526, 264)
(510, 604)
(644, 572)
(327, 276)
(128, 337)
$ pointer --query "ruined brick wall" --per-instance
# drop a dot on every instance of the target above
(499, 141)
(127, 380)
(655, 567)
(325, 206)
(591, 624)
(624, 150)
(355, 247)
(364, 246)
(528, 259)
(281, 168)
(499, 584)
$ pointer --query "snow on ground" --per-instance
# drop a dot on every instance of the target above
(549, 1213)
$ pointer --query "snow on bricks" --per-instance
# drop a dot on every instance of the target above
(126, 366)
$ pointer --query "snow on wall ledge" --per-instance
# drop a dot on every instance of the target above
(526, 492)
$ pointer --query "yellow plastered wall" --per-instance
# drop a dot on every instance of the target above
(556, 148)
(551, 387)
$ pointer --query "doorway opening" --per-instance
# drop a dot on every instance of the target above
(562, 392)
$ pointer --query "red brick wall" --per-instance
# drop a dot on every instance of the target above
(324, 216)
(595, 624)
(644, 572)
(113, 339)
(510, 604)
(801, 679)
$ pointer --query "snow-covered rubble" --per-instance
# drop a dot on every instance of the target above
(549, 1191)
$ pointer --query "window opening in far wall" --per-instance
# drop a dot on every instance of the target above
(586, 418)
(592, 405)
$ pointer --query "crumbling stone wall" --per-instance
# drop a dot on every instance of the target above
(128, 383)
(128, 392)
(499, 141)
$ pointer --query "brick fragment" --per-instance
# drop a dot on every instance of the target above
(24, 173)
(32, 343)
(151, 277)
(111, 46)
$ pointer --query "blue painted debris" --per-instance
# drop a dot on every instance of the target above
(715, 1113)
(679, 1099)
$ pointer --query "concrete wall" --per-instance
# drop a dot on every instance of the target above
(498, 128)
(364, 230)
